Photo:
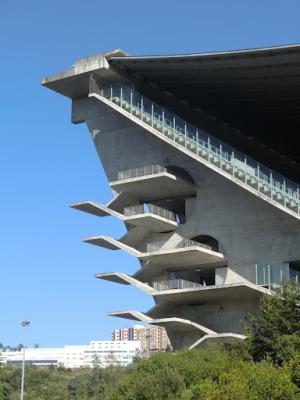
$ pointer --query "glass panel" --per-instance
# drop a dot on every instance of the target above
(271, 274)
(208, 147)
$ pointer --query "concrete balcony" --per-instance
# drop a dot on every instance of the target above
(186, 253)
(124, 279)
(100, 210)
(152, 217)
(152, 182)
(147, 216)
(184, 292)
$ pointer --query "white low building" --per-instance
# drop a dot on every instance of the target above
(97, 353)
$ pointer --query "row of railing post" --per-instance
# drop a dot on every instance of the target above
(279, 187)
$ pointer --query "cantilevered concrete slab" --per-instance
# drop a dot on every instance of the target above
(100, 210)
(153, 222)
(74, 82)
(111, 244)
(180, 258)
(178, 324)
(150, 221)
(132, 315)
(154, 186)
(217, 338)
(234, 291)
(185, 333)
(244, 291)
(124, 279)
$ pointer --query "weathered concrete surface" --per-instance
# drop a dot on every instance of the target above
(248, 229)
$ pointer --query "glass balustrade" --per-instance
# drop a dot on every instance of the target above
(272, 274)
(218, 153)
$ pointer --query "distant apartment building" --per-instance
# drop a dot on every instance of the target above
(98, 353)
(152, 338)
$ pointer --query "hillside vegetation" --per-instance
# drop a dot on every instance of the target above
(264, 367)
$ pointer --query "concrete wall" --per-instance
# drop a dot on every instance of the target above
(248, 229)
(226, 316)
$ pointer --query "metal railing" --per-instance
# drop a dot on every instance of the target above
(175, 284)
(271, 275)
(184, 243)
(150, 208)
(205, 146)
(142, 171)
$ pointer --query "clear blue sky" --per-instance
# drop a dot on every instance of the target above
(47, 163)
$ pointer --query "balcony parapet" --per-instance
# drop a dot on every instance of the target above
(148, 170)
(187, 293)
(153, 182)
(182, 255)
(175, 284)
(183, 244)
(148, 208)
(152, 217)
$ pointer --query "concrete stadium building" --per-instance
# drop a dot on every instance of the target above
(202, 155)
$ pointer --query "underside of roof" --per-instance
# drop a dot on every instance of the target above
(254, 91)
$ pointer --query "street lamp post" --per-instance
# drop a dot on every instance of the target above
(25, 324)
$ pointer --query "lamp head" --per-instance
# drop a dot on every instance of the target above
(25, 323)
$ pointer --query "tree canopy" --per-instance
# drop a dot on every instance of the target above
(266, 366)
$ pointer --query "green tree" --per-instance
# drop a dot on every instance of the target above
(274, 334)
